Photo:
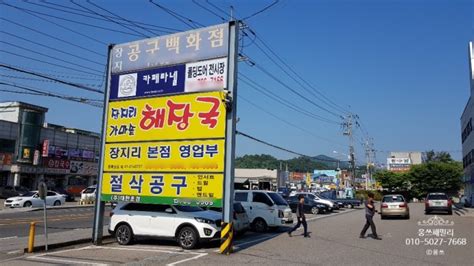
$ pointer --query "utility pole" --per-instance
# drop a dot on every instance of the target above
(367, 155)
(347, 127)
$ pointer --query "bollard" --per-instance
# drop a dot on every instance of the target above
(31, 239)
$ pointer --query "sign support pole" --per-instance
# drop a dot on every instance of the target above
(227, 210)
(98, 227)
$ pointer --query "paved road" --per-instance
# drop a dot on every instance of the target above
(334, 241)
(16, 223)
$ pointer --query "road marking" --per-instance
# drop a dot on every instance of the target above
(15, 252)
(10, 237)
(66, 261)
(189, 259)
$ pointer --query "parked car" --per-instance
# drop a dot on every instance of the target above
(12, 191)
(187, 225)
(394, 205)
(310, 206)
(348, 202)
(284, 192)
(32, 199)
(312, 196)
(240, 218)
(438, 202)
(88, 194)
(264, 208)
(69, 196)
(338, 203)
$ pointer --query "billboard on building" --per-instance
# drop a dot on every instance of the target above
(399, 164)
(165, 121)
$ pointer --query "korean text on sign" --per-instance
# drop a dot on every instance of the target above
(193, 116)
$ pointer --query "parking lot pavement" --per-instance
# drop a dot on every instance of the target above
(152, 251)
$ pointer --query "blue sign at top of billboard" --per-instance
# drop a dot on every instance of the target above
(189, 46)
(153, 82)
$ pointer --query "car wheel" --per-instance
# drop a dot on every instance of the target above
(57, 203)
(260, 225)
(427, 212)
(124, 234)
(350, 206)
(450, 212)
(27, 204)
(407, 217)
(382, 217)
(188, 237)
(314, 210)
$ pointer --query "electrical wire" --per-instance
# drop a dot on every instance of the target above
(179, 17)
(287, 122)
(53, 37)
(51, 78)
(111, 20)
(49, 47)
(208, 10)
(56, 24)
(261, 11)
(45, 80)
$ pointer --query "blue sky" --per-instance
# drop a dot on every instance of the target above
(401, 66)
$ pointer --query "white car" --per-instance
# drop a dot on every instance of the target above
(88, 194)
(240, 219)
(186, 224)
(32, 199)
(264, 208)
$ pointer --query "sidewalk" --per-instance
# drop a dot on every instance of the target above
(55, 240)
(463, 211)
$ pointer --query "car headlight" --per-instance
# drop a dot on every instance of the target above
(204, 220)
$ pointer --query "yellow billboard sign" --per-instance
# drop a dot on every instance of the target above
(204, 189)
(187, 116)
(169, 156)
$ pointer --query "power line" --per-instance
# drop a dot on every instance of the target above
(58, 74)
(45, 55)
(261, 11)
(79, 22)
(52, 48)
(56, 24)
(49, 94)
(179, 17)
(208, 10)
(51, 78)
(111, 20)
(53, 37)
(122, 18)
(54, 6)
(282, 101)
(46, 62)
(287, 122)
(45, 80)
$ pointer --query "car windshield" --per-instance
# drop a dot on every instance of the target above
(437, 197)
(277, 199)
(29, 194)
(188, 208)
(397, 198)
(321, 196)
(89, 190)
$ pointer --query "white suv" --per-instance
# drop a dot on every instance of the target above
(185, 224)
(264, 208)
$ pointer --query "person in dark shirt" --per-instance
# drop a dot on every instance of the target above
(369, 215)
(301, 217)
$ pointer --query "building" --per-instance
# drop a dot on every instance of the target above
(265, 179)
(467, 138)
(402, 161)
(32, 150)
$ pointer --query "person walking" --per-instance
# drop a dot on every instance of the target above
(301, 217)
(369, 215)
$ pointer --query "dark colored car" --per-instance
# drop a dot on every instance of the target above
(310, 206)
(284, 192)
(339, 203)
(12, 191)
(438, 202)
(69, 196)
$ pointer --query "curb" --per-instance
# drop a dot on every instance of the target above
(64, 244)
(61, 207)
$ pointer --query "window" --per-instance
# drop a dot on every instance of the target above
(437, 197)
(51, 194)
(188, 208)
(397, 198)
(145, 207)
(262, 198)
(238, 208)
(241, 196)
(277, 199)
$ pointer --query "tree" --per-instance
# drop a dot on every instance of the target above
(435, 175)
(264, 161)
(432, 156)
(392, 181)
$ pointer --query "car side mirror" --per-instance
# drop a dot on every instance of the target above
(35, 196)
(169, 210)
